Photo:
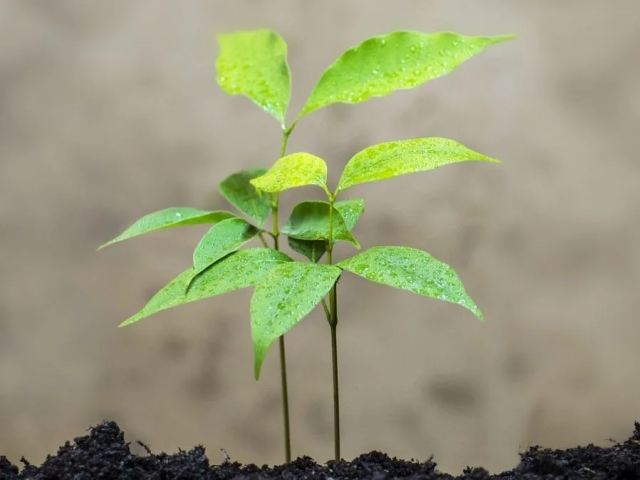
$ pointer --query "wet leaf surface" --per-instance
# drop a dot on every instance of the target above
(287, 294)
(393, 159)
(170, 218)
(254, 64)
(239, 192)
(222, 239)
(309, 220)
(295, 170)
(411, 269)
(351, 210)
(241, 269)
(395, 61)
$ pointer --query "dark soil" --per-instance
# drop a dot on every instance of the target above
(103, 454)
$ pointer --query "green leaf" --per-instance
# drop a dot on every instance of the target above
(396, 61)
(238, 191)
(169, 218)
(315, 249)
(312, 249)
(286, 295)
(351, 210)
(392, 159)
(254, 64)
(410, 269)
(222, 239)
(238, 270)
(291, 171)
(309, 220)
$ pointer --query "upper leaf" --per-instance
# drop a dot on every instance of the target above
(222, 239)
(411, 269)
(254, 64)
(285, 296)
(396, 61)
(291, 171)
(241, 269)
(309, 220)
(169, 218)
(237, 189)
(315, 249)
(392, 159)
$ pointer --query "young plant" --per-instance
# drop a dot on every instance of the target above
(254, 64)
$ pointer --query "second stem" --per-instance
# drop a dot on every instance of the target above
(332, 317)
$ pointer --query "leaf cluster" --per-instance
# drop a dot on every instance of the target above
(254, 64)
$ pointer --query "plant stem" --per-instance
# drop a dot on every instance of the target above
(283, 357)
(285, 401)
(333, 324)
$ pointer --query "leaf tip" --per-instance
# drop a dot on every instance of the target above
(477, 312)
(106, 244)
(128, 322)
(257, 367)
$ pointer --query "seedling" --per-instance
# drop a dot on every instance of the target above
(254, 64)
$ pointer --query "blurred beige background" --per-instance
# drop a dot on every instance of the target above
(110, 110)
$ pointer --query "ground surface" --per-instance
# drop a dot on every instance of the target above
(105, 454)
(109, 110)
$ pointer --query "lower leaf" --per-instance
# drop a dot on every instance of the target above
(413, 270)
(238, 270)
(287, 294)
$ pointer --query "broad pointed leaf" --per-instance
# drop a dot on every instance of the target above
(286, 295)
(315, 249)
(410, 269)
(309, 220)
(222, 239)
(238, 270)
(169, 218)
(254, 64)
(396, 61)
(238, 191)
(392, 159)
(291, 171)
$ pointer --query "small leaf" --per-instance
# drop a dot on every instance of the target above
(222, 239)
(351, 210)
(238, 191)
(169, 218)
(312, 249)
(413, 270)
(396, 61)
(238, 270)
(309, 220)
(392, 159)
(315, 249)
(254, 64)
(295, 170)
(286, 295)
